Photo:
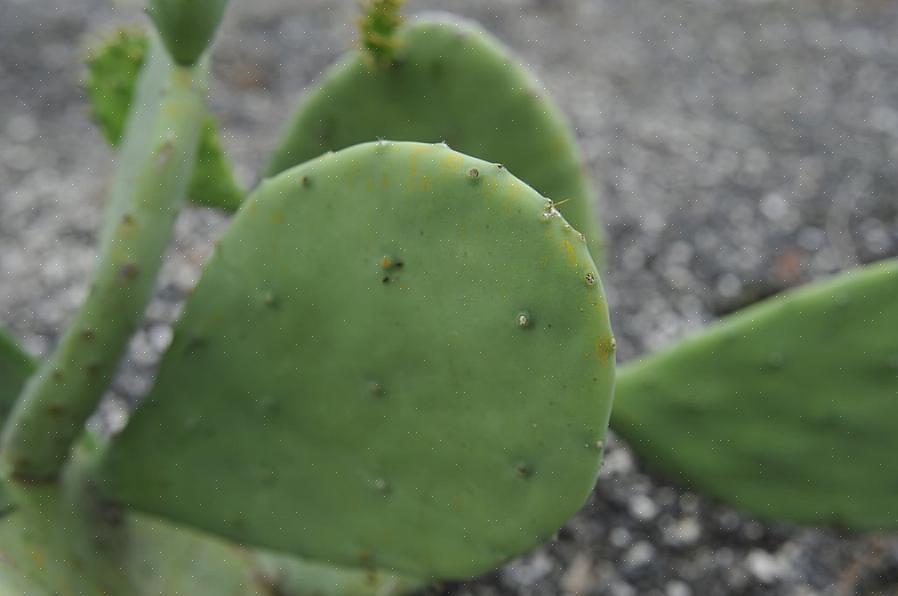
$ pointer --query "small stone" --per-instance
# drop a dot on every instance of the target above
(639, 556)
(578, 578)
(643, 508)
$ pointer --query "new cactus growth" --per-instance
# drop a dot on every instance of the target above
(113, 70)
(398, 363)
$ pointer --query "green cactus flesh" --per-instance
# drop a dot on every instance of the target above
(449, 81)
(399, 357)
(148, 191)
(187, 26)
(57, 539)
(15, 368)
(786, 409)
(296, 577)
(113, 69)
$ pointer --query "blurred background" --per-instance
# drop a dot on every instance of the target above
(739, 148)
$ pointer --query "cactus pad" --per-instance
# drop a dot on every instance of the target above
(399, 357)
(786, 409)
(113, 69)
(187, 27)
(447, 80)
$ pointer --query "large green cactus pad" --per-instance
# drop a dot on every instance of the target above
(113, 68)
(399, 357)
(453, 82)
(786, 409)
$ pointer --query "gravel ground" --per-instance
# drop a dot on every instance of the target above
(740, 148)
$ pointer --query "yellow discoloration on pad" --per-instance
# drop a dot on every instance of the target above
(452, 162)
(569, 250)
(39, 558)
(425, 184)
(605, 348)
(385, 183)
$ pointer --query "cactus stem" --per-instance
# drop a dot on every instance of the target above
(149, 188)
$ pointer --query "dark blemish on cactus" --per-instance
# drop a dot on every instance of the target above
(93, 369)
(500, 167)
(268, 476)
(58, 375)
(523, 320)
(606, 348)
(129, 271)
(389, 263)
(128, 220)
(269, 406)
(87, 334)
(524, 471)
(55, 409)
(270, 300)
(376, 389)
(474, 173)
(194, 344)
(164, 154)
(590, 278)
(10, 509)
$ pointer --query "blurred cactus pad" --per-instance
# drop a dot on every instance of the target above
(786, 408)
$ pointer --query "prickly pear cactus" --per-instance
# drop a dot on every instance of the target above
(786, 409)
(113, 70)
(446, 79)
(399, 357)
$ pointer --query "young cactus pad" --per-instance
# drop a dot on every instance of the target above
(786, 409)
(398, 357)
(450, 81)
(114, 67)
